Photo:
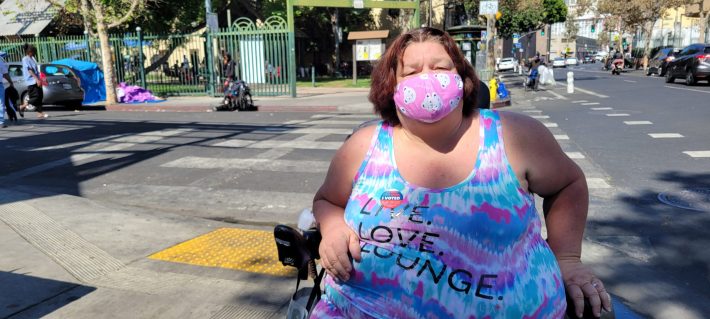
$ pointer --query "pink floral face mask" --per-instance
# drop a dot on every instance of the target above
(429, 97)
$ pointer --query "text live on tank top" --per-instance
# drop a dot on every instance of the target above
(473, 250)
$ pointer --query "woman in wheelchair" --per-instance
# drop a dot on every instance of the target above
(430, 213)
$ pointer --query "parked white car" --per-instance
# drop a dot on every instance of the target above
(558, 63)
(507, 64)
(572, 61)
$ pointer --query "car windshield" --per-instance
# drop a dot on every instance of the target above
(507, 60)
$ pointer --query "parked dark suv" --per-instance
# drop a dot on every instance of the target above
(658, 63)
(692, 63)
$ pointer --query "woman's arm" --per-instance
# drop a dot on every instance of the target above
(339, 240)
(548, 172)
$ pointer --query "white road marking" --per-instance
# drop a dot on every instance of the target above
(295, 144)
(601, 108)
(540, 116)
(677, 88)
(561, 137)
(557, 95)
(596, 183)
(592, 93)
(665, 135)
(97, 149)
(292, 122)
(591, 103)
(310, 130)
(698, 153)
(630, 81)
(346, 116)
(617, 114)
(532, 111)
(580, 101)
(259, 164)
(638, 122)
(575, 155)
(332, 122)
(550, 124)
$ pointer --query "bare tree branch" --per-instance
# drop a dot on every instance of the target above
(126, 16)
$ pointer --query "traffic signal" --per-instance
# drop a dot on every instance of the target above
(542, 33)
(593, 28)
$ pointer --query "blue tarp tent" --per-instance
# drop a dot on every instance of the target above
(92, 79)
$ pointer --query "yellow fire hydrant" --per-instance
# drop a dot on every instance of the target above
(493, 87)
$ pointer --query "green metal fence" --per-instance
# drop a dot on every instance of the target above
(181, 64)
(261, 53)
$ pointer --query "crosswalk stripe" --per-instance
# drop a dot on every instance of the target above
(540, 116)
(591, 103)
(333, 122)
(617, 114)
(550, 124)
(561, 137)
(345, 116)
(310, 145)
(97, 149)
(575, 155)
(532, 111)
(258, 164)
(580, 101)
(597, 183)
(638, 122)
(600, 108)
(665, 135)
(697, 153)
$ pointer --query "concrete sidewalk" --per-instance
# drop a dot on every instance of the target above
(69, 257)
(318, 99)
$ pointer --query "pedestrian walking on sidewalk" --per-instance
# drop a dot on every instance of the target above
(431, 212)
(31, 74)
(3, 106)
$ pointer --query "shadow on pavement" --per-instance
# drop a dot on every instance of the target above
(668, 245)
(43, 155)
(25, 296)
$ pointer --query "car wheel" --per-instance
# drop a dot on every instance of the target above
(662, 72)
(26, 100)
(669, 77)
(689, 78)
(75, 105)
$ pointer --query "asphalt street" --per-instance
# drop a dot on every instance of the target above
(257, 169)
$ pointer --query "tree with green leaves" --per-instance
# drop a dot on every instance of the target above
(99, 16)
(521, 16)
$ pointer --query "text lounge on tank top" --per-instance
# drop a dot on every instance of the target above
(473, 250)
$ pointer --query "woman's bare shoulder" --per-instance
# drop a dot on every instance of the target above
(354, 149)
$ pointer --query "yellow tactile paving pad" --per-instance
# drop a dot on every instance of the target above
(232, 248)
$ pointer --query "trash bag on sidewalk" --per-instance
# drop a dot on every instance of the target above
(502, 91)
(134, 94)
(550, 77)
(542, 70)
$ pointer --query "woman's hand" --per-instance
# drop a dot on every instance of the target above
(580, 282)
(338, 244)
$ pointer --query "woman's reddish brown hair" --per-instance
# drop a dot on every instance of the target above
(384, 75)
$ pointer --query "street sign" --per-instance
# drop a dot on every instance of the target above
(488, 7)
(518, 45)
(521, 50)
(212, 22)
(516, 38)
(358, 4)
(484, 35)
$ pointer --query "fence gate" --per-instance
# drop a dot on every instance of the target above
(261, 52)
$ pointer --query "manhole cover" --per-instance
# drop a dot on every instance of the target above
(693, 198)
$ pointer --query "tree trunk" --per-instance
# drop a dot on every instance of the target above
(106, 56)
(648, 31)
(621, 37)
(703, 26)
(490, 42)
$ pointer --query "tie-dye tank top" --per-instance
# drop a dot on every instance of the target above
(472, 250)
